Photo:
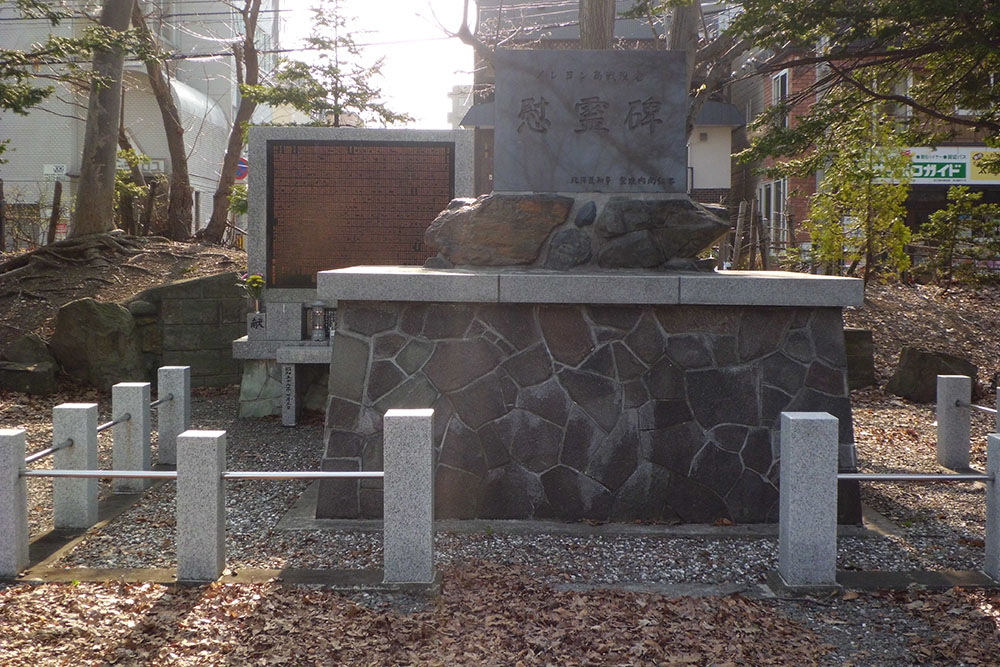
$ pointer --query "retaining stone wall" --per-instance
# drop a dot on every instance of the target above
(192, 323)
(585, 412)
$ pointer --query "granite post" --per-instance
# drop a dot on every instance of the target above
(408, 541)
(201, 509)
(13, 504)
(130, 438)
(74, 500)
(174, 416)
(290, 405)
(996, 423)
(953, 421)
(807, 523)
(991, 565)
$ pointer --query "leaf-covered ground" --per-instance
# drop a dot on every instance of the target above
(484, 615)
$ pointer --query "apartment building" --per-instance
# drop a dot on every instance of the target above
(46, 145)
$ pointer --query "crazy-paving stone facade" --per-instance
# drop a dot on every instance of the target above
(585, 412)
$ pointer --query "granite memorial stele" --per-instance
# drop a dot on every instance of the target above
(581, 359)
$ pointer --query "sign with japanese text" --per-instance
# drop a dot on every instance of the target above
(954, 165)
(590, 121)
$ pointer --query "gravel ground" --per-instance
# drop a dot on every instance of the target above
(936, 528)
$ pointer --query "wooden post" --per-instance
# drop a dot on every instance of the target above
(54, 218)
(761, 240)
(738, 239)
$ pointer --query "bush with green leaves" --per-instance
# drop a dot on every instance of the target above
(966, 228)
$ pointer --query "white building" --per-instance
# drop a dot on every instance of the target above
(47, 144)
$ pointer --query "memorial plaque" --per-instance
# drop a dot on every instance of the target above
(336, 204)
(590, 121)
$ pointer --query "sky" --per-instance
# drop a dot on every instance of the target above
(421, 62)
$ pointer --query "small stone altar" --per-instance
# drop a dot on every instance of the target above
(582, 362)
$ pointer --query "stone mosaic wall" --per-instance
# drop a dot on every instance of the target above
(585, 412)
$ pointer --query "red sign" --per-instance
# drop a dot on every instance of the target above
(242, 169)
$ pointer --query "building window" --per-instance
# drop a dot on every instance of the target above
(779, 94)
(772, 199)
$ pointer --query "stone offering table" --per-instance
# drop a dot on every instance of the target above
(596, 395)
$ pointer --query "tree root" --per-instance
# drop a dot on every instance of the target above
(78, 251)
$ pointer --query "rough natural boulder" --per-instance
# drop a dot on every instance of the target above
(97, 343)
(497, 230)
(563, 233)
(916, 376)
(27, 366)
(639, 229)
(37, 378)
(28, 349)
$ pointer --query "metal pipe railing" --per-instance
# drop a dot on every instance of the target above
(235, 474)
(306, 474)
(31, 458)
(981, 408)
(105, 426)
(913, 477)
(103, 474)
(161, 401)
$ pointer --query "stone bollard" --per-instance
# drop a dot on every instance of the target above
(953, 421)
(408, 515)
(807, 520)
(74, 500)
(130, 438)
(174, 416)
(991, 565)
(13, 504)
(201, 506)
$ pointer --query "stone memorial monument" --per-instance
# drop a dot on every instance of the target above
(581, 361)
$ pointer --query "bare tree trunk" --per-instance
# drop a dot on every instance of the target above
(95, 199)
(56, 210)
(597, 24)
(248, 55)
(181, 203)
(147, 211)
(3, 219)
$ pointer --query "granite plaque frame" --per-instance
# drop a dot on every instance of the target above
(332, 202)
(590, 121)
(259, 238)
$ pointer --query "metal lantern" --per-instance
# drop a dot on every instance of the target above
(317, 321)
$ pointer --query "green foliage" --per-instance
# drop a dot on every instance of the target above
(56, 59)
(127, 192)
(966, 227)
(857, 214)
(333, 82)
(926, 56)
(238, 202)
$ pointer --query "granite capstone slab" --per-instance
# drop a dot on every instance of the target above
(736, 288)
(582, 121)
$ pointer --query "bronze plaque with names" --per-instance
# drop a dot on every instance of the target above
(334, 204)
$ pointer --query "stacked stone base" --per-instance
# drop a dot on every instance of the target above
(598, 412)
